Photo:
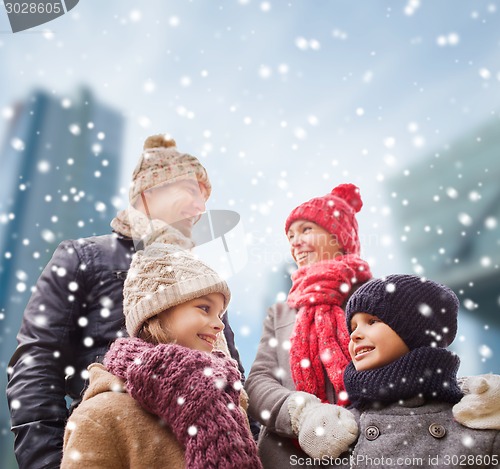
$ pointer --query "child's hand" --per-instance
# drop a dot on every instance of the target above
(480, 407)
(323, 429)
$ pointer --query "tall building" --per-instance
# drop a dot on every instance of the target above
(60, 167)
(447, 209)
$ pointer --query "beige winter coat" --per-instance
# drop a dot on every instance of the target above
(110, 430)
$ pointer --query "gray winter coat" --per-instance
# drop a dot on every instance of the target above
(269, 385)
(421, 435)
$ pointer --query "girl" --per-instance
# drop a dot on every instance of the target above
(162, 398)
(296, 386)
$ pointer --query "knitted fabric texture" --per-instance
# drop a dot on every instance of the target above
(195, 393)
(320, 338)
(428, 372)
(161, 163)
(422, 312)
(132, 223)
(335, 212)
(480, 407)
(163, 276)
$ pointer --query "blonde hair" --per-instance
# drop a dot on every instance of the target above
(154, 333)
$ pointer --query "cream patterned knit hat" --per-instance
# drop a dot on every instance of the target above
(160, 163)
(163, 276)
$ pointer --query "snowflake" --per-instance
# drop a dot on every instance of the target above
(15, 404)
(265, 414)
(305, 363)
(425, 309)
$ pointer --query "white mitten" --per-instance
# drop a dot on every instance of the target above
(480, 407)
(323, 429)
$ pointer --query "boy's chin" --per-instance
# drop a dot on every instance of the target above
(366, 367)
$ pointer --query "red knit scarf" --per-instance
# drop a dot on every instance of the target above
(320, 337)
(195, 393)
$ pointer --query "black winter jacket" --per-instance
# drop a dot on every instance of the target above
(69, 323)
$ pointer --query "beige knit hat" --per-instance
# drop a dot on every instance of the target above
(160, 163)
(163, 276)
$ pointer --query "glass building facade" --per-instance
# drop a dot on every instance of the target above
(60, 171)
(447, 209)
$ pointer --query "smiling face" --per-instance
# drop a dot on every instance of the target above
(310, 243)
(196, 323)
(373, 343)
(179, 204)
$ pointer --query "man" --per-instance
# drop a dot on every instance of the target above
(76, 310)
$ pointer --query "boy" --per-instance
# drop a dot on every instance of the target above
(402, 380)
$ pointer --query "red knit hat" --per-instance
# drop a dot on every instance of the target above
(335, 212)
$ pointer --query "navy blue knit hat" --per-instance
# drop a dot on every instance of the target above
(422, 312)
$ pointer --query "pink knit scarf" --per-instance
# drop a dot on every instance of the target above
(320, 337)
(197, 395)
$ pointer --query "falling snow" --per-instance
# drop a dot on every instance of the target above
(408, 115)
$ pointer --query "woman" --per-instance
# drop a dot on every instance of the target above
(303, 350)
